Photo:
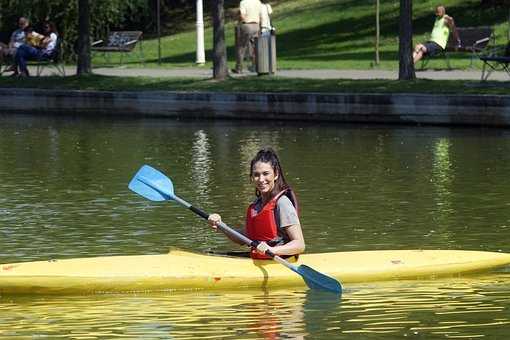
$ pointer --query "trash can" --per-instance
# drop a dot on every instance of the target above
(265, 51)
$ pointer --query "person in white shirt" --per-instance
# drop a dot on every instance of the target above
(265, 18)
(249, 26)
(16, 40)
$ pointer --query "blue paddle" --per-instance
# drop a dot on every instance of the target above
(155, 186)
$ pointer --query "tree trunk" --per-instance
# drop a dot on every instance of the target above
(220, 68)
(377, 30)
(406, 65)
(84, 64)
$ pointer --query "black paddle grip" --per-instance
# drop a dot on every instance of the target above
(199, 212)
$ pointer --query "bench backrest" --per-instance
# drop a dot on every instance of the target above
(469, 36)
(121, 38)
(56, 56)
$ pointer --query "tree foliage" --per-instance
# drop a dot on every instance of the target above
(104, 15)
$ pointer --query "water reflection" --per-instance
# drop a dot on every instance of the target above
(63, 193)
(442, 180)
(63, 181)
(201, 165)
(458, 308)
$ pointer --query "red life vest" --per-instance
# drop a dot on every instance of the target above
(262, 226)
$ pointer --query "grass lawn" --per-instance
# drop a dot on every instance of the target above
(333, 34)
(311, 34)
(257, 84)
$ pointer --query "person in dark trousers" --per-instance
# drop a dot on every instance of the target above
(249, 27)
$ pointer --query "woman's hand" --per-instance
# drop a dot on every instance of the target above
(214, 220)
(263, 247)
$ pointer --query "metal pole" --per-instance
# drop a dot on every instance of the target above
(377, 31)
(200, 33)
(158, 14)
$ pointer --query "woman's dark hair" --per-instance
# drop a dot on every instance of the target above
(51, 28)
(268, 155)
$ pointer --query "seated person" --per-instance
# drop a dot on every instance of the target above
(17, 39)
(38, 47)
(438, 37)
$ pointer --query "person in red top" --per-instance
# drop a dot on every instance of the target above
(272, 218)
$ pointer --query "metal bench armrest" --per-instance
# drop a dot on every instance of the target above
(481, 41)
(131, 42)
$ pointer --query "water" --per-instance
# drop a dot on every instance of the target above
(63, 194)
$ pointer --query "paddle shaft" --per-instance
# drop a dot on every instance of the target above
(229, 231)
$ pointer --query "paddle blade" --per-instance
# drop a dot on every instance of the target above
(316, 280)
(152, 184)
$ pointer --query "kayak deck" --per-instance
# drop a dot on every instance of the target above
(180, 270)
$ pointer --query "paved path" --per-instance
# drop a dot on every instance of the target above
(203, 72)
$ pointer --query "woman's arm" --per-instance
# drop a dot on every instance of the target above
(295, 246)
(51, 39)
(214, 220)
(451, 24)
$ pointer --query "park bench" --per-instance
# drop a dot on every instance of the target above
(121, 42)
(497, 59)
(473, 40)
(55, 61)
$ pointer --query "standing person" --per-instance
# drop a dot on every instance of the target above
(45, 49)
(439, 36)
(272, 218)
(16, 40)
(249, 17)
(265, 18)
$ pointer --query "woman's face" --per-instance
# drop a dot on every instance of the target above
(263, 177)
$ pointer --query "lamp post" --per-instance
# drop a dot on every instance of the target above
(200, 33)
(158, 11)
(377, 31)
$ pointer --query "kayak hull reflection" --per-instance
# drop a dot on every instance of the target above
(180, 270)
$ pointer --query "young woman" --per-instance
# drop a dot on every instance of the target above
(272, 218)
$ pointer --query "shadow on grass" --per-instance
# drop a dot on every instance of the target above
(252, 84)
(351, 38)
(348, 37)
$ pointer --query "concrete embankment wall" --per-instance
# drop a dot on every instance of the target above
(487, 110)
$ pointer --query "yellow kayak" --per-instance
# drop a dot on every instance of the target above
(180, 270)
